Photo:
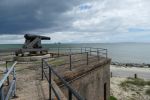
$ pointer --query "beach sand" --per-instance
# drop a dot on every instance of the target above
(121, 71)
(133, 92)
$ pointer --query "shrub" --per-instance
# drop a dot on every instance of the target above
(134, 81)
(112, 98)
(148, 82)
(148, 91)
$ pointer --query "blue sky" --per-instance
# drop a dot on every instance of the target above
(76, 21)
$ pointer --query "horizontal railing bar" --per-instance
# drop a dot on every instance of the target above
(63, 64)
(102, 53)
(78, 48)
(51, 85)
(45, 67)
(45, 75)
(54, 91)
(7, 74)
(66, 84)
(10, 89)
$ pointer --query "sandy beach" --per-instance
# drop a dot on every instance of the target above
(121, 71)
(120, 75)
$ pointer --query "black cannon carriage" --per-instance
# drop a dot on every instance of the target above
(32, 45)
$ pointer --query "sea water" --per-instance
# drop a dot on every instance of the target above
(119, 52)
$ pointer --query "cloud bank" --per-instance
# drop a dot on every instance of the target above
(76, 21)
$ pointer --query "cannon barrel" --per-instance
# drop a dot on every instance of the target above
(30, 36)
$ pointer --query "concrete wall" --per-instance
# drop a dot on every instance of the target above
(91, 85)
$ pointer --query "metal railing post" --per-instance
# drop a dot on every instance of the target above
(90, 51)
(14, 78)
(71, 91)
(1, 93)
(6, 72)
(70, 62)
(42, 68)
(50, 83)
(106, 53)
(70, 50)
(98, 54)
(69, 95)
(58, 51)
(87, 58)
(81, 50)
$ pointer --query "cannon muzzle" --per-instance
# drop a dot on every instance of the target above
(30, 36)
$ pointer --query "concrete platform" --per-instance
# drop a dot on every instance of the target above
(30, 58)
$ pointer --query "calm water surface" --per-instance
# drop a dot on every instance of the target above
(120, 52)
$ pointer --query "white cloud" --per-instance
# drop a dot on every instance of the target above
(103, 21)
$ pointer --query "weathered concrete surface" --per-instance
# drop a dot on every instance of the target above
(91, 83)
(31, 58)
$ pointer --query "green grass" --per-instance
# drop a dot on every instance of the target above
(57, 62)
(8, 65)
(148, 83)
(112, 98)
(133, 81)
(148, 92)
(136, 81)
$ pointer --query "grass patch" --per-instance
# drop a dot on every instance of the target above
(148, 83)
(133, 81)
(136, 81)
(148, 92)
(57, 62)
(112, 98)
(8, 65)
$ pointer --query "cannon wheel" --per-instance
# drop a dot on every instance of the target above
(41, 52)
(22, 54)
(16, 54)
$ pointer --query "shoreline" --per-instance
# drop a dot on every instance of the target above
(131, 64)
(124, 72)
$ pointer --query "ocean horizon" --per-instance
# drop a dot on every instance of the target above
(118, 52)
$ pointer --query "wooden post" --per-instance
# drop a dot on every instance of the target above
(110, 74)
(135, 75)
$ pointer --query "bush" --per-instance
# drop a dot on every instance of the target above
(138, 82)
(148, 91)
(148, 82)
(112, 98)
(134, 81)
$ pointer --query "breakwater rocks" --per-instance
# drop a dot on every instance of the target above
(130, 64)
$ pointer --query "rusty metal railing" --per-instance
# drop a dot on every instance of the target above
(90, 50)
(88, 54)
(11, 85)
(71, 91)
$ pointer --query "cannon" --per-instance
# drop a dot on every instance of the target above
(32, 45)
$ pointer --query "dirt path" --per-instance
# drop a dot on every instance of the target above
(29, 84)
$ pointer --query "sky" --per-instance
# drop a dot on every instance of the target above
(75, 21)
